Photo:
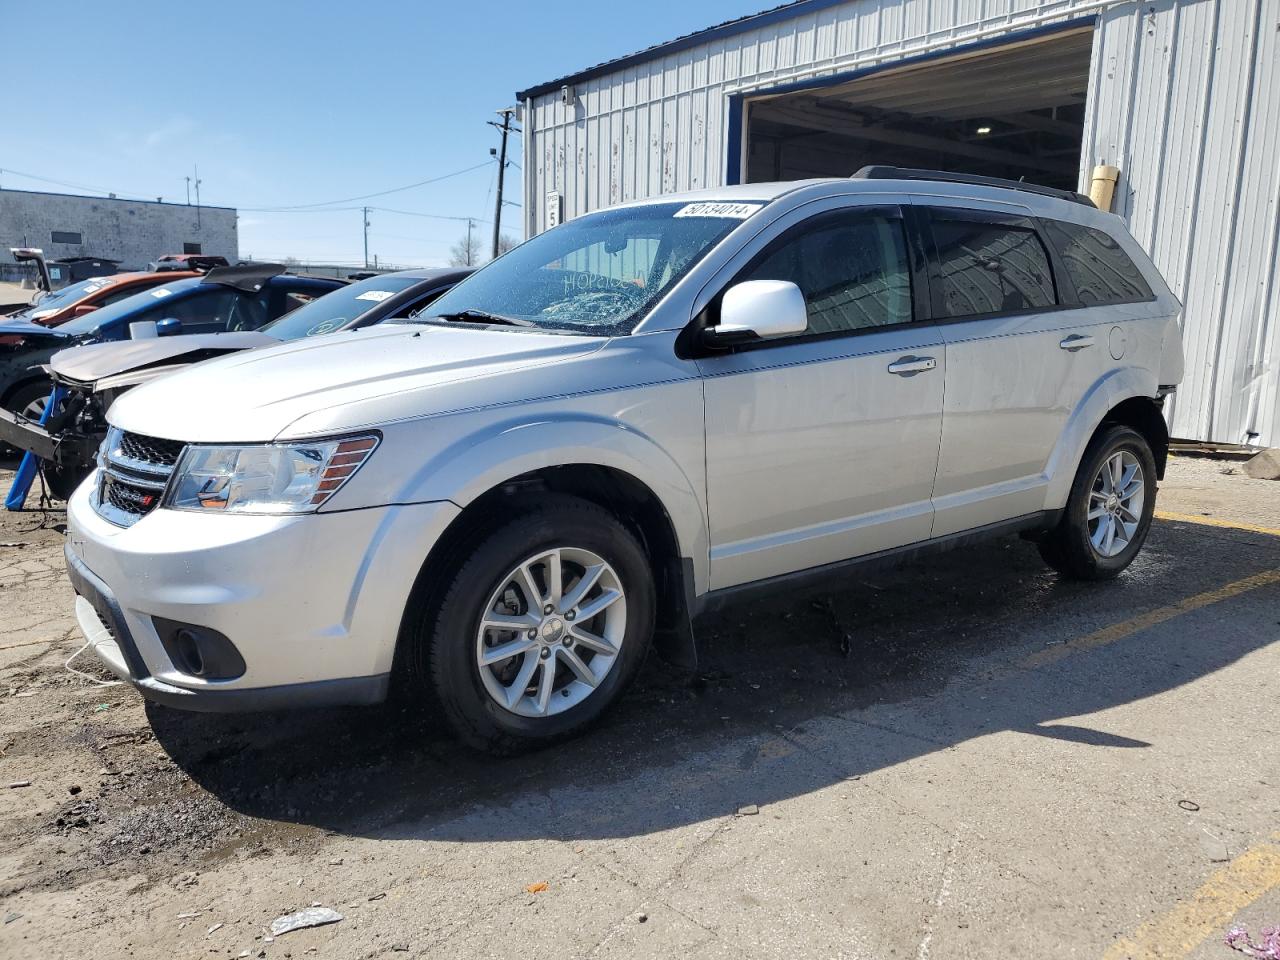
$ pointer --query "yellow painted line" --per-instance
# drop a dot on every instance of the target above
(1214, 522)
(1126, 628)
(1226, 892)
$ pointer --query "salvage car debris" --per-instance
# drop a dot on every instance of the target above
(310, 917)
(92, 376)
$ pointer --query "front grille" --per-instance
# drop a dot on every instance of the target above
(150, 449)
(134, 471)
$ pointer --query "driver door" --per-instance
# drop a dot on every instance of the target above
(824, 446)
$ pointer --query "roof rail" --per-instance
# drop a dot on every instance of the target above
(876, 172)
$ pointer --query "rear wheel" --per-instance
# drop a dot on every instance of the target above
(1109, 509)
(543, 628)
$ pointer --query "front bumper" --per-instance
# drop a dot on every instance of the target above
(313, 603)
(20, 432)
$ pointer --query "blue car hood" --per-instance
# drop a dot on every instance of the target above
(28, 328)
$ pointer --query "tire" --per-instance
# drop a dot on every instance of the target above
(530, 713)
(29, 399)
(1079, 547)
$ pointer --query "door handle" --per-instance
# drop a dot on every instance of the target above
(1076, 342)
(908, 366)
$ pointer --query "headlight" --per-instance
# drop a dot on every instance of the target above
(265, 478)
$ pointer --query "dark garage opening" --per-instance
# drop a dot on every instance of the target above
(1016, 111)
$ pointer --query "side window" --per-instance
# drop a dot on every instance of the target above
(851, 267)
(121, 294)
(984, 267)
(206, 312)
(1099, 268)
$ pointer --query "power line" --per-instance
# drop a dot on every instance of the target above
(328, 205)
(77, 186)
(429, 216)
(366, 196)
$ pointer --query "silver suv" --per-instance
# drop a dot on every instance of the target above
(505, 502)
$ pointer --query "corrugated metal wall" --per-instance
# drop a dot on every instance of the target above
(1184, 99)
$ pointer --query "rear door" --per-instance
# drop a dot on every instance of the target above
(1019, 359)
(823, 446)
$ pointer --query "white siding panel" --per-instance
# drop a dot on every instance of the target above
(1184, 98)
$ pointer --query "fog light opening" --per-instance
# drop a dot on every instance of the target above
(189, 650)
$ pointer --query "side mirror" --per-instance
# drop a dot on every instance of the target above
(168, 327)
(758, 310)
(83, 309)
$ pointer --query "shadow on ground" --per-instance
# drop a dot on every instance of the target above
(794, 694)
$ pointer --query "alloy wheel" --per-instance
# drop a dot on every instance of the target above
(551, 632)
(1115, 504)
(35, 409)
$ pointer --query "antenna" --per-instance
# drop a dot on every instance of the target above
(198, 182)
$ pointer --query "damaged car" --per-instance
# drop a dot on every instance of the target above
(89, 378)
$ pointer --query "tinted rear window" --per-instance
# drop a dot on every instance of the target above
(1099, 268)
(984, 267)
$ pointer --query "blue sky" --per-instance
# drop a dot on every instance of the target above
(284, 104)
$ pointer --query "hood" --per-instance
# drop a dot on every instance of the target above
(25, 328)
(92, 362)
(348, 381)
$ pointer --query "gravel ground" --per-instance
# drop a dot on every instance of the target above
(962, 758)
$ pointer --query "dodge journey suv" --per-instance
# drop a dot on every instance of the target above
(504, 501)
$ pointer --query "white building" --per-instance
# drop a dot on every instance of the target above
(133, 232)
(1183, 96)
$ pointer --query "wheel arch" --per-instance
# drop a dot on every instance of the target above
(631, 500)
(1129, 396)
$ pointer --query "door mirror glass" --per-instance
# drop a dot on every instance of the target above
(168, 327)
(758, 310)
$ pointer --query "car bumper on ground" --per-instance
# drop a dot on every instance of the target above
(280, 611)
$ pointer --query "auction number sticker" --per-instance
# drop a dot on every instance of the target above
(377, 296)
(730, 211)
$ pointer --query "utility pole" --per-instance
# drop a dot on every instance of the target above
(365, 213)
(470, 249)
(197, 173)
(506, 128)
(188, 179)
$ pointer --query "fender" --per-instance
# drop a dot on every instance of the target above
(473, 463)
(1113, 388)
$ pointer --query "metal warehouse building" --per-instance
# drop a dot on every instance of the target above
(1182, 96)
(132, 232)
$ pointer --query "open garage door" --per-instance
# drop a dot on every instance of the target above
(1014, 111)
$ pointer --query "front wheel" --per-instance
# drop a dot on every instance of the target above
(543, 628)
(1109, 509)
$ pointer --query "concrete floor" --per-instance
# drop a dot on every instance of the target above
(1001, 765)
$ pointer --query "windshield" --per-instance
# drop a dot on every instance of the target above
(598, 274)
(51, 303)
(122, 308)
(335, 310)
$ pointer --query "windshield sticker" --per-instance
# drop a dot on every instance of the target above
(324, 326)
(377, 296)
(161, 293)
(730, 211)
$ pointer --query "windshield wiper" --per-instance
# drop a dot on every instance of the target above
(481, 316)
